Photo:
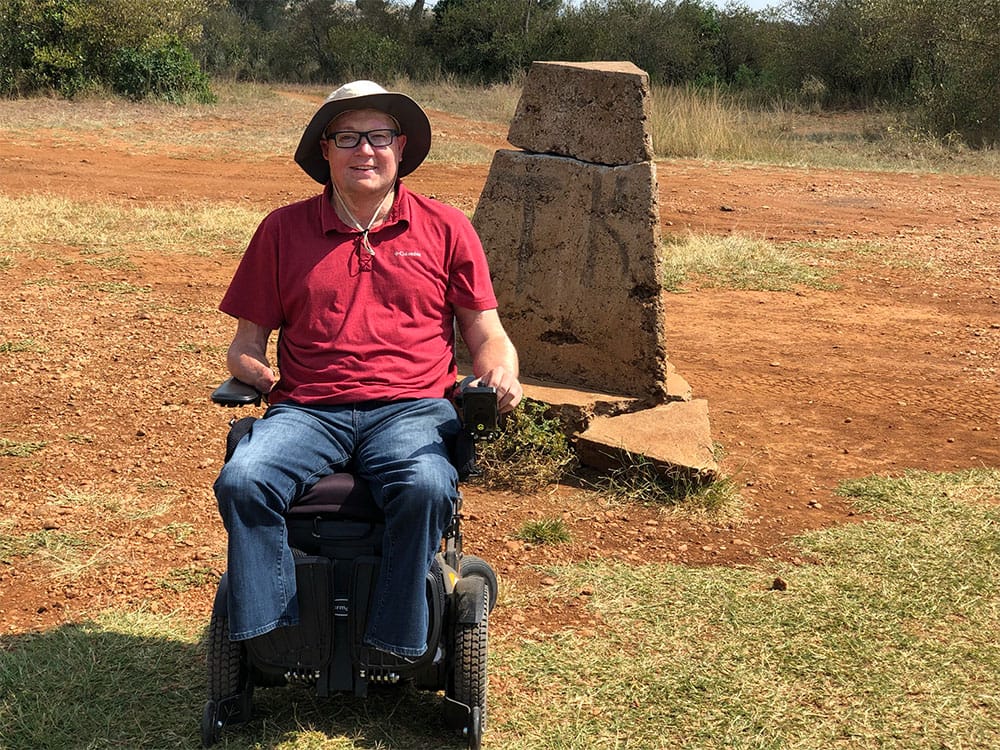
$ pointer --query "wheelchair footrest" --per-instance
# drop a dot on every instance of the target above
(302, 651)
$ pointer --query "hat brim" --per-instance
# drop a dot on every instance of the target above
(411, 118)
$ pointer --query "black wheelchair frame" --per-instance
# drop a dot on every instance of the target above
(335, 531)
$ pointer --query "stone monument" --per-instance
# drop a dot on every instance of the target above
(570, 224)
(571, 228)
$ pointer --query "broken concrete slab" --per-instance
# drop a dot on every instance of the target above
(675, 438)
(575, 408)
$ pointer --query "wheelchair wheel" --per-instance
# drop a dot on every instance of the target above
(230, 688)
(471, 565)
(469, 675)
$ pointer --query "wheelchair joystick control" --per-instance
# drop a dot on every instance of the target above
(478, 406)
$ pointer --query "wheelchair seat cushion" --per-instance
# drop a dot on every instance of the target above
(340, 494)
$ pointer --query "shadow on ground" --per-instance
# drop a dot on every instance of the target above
(133, 685)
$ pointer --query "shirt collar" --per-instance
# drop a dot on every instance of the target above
(399, 212)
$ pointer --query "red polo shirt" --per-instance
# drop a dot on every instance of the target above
(351, 331)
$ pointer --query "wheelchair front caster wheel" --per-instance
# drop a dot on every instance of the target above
(475, 729)
(211, 727)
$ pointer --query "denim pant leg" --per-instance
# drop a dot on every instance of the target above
(285, 452)
(405, 457)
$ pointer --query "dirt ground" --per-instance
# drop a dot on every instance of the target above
(895, 369)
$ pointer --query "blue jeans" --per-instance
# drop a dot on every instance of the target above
(400, 448)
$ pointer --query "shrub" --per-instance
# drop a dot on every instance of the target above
(544, 531)
(531, 452)
(163, 70)
(70, 46)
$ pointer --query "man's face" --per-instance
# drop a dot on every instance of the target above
(363, 172)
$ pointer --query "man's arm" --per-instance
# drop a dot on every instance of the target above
(247, 356)
(494, 359)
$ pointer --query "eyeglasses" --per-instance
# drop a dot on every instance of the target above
(351, 138)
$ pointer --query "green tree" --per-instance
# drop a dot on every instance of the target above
(68, 46)
(949, 52)
(674, 43)
(490, 40)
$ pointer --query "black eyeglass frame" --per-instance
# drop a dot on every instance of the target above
(359, 134)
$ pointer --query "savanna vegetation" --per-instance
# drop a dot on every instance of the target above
(938, 60)
(876, 633)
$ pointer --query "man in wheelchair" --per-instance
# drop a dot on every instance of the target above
(365, 284)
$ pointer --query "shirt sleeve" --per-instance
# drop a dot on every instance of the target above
(469, 283)
(253, 293)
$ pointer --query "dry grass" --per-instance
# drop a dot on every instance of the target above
(686, 123)
(740, 262)
(709, 124)
(108, 231)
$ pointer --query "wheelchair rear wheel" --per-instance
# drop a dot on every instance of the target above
(471, 565)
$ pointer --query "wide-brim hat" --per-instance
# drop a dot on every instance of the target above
(413, 123)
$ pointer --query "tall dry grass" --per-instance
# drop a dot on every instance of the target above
(700, 123)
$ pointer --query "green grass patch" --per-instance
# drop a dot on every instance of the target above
(544, 531)
(177, 530)
(20, 449)
(185, 579)
(52, 544)
(118, 288)
(134, 679)
(21, 345)
(125, 680)
(739, 262)
(111, 261)
(888, 641)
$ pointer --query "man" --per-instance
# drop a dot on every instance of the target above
(364, 283)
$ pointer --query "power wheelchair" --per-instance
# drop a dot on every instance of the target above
(335, 532)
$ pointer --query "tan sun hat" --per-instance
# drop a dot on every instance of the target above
(413, 123)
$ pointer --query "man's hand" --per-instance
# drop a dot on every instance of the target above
(494, 359)
(247, 356)
(256, 373)
(508, 387)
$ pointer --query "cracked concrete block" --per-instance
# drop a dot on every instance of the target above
(596, 112)
(575, 254)
(675, 438)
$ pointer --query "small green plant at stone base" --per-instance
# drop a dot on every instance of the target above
(532, 451)
(639, 481)
(544, 531)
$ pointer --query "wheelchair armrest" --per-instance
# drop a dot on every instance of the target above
(235, 392)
